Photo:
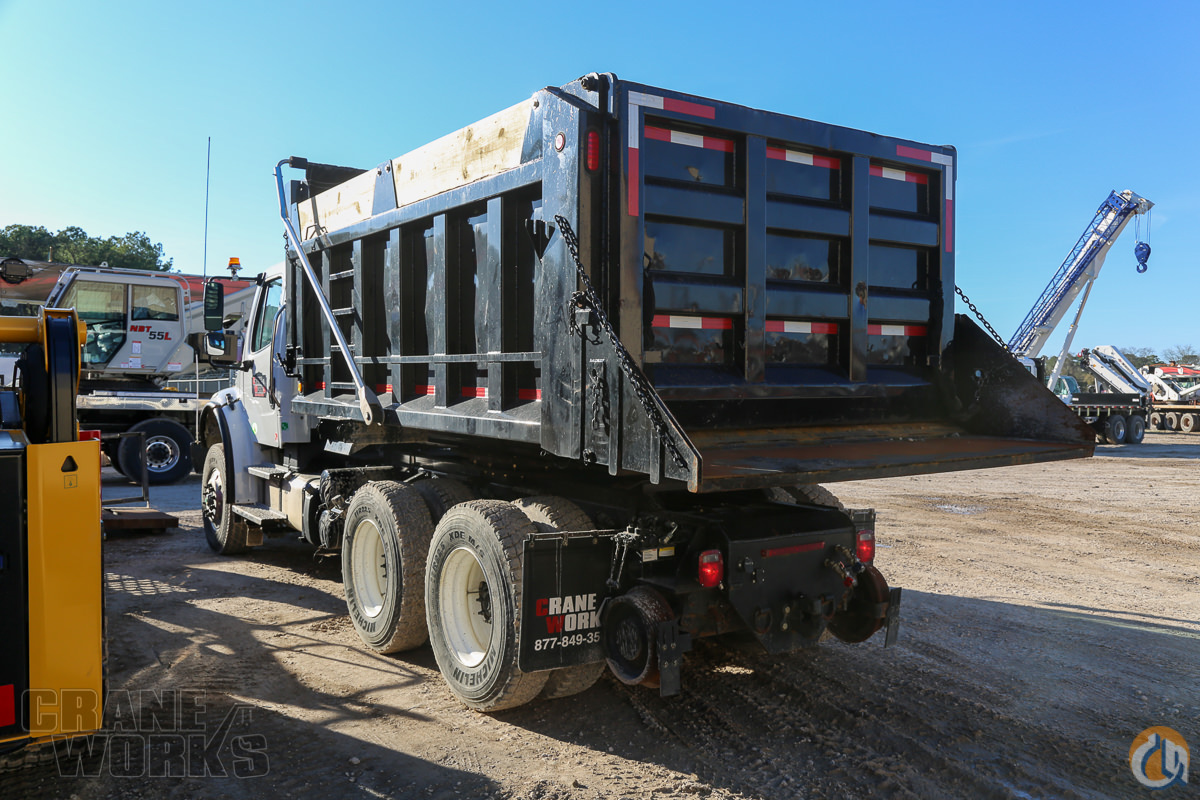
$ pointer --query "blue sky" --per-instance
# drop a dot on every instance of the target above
(108, 108)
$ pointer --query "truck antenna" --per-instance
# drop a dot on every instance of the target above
(207, 173)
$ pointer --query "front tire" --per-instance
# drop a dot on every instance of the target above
(168, 452)
(473, 588)
(384, 547)
(224, 530)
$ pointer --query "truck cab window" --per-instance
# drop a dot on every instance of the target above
(101, 306)
(155, 303)
(264, 321)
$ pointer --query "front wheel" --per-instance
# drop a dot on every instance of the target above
(384, 546)
(1189, 423)
(168, 452)
(224, 530)
(473, 586)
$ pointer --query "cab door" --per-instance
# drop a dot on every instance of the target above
(261, 377)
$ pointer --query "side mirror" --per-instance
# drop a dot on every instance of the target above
(214, 305)
(219, 348)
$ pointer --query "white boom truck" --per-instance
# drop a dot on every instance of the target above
(138, 329)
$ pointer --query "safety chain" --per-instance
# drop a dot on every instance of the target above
(979, 315)
(587, 298)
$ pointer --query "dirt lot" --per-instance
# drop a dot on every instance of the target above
(1050, 614)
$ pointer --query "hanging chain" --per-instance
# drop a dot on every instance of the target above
(587, 298)
(979, 315)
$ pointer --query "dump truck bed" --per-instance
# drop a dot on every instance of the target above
(654, 283)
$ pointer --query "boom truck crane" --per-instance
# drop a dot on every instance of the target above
(1161, 401)
(558, 388)
(141, 330)
(1116, 419)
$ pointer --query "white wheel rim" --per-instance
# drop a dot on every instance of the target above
(368, 568)
(467, 632)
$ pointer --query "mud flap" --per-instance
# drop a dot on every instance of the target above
(891, 620)
(565, 585)
(672, 644)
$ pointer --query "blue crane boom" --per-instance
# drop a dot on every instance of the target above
(1077, 274)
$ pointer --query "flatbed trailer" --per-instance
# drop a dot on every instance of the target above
(559, 387)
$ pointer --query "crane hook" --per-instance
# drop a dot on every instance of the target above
(1141, 251)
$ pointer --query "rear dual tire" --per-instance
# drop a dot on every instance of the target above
(473, 587)
(384, 547)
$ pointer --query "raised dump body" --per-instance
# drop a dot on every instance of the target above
(785, 286)
(642, 325)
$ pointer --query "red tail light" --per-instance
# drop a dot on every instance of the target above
(711, 570)
(85, 436)
(593, 151)
(865, 548)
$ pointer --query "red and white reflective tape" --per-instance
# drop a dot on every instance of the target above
(896, 330)
(798, 157)
(481, 392)
(947, 162)
(634, 175)
(795, 326)
(695, 323)
(899, 174)
(689, 139)
(924, 155)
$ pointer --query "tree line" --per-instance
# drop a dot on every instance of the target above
(72, 245)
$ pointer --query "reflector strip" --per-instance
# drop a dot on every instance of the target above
(899, 175)
(924, 155)
(689, 139)
(380, 388)
(708, 323)
(634, 175)
(794, 326)
(797, 157)
(896, 330)
(791, 550)
(948, 225)
(480, 391)
(8, 707)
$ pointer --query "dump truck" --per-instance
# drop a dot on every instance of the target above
(139, 368)
(559, 389)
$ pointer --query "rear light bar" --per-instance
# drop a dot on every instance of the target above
(593, 151)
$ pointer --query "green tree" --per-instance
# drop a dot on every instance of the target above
(72, 245)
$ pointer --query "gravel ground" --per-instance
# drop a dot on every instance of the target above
(1050, 614)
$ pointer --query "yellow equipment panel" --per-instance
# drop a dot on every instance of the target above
(65, 589)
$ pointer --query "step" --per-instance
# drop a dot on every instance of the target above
(268, 472)
(260, 515)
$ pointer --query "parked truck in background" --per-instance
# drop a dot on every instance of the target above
(558, 388)
(138, 372)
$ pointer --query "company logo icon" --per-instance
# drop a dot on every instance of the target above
(1159, 758)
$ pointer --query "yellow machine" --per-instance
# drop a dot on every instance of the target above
(51, 594)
